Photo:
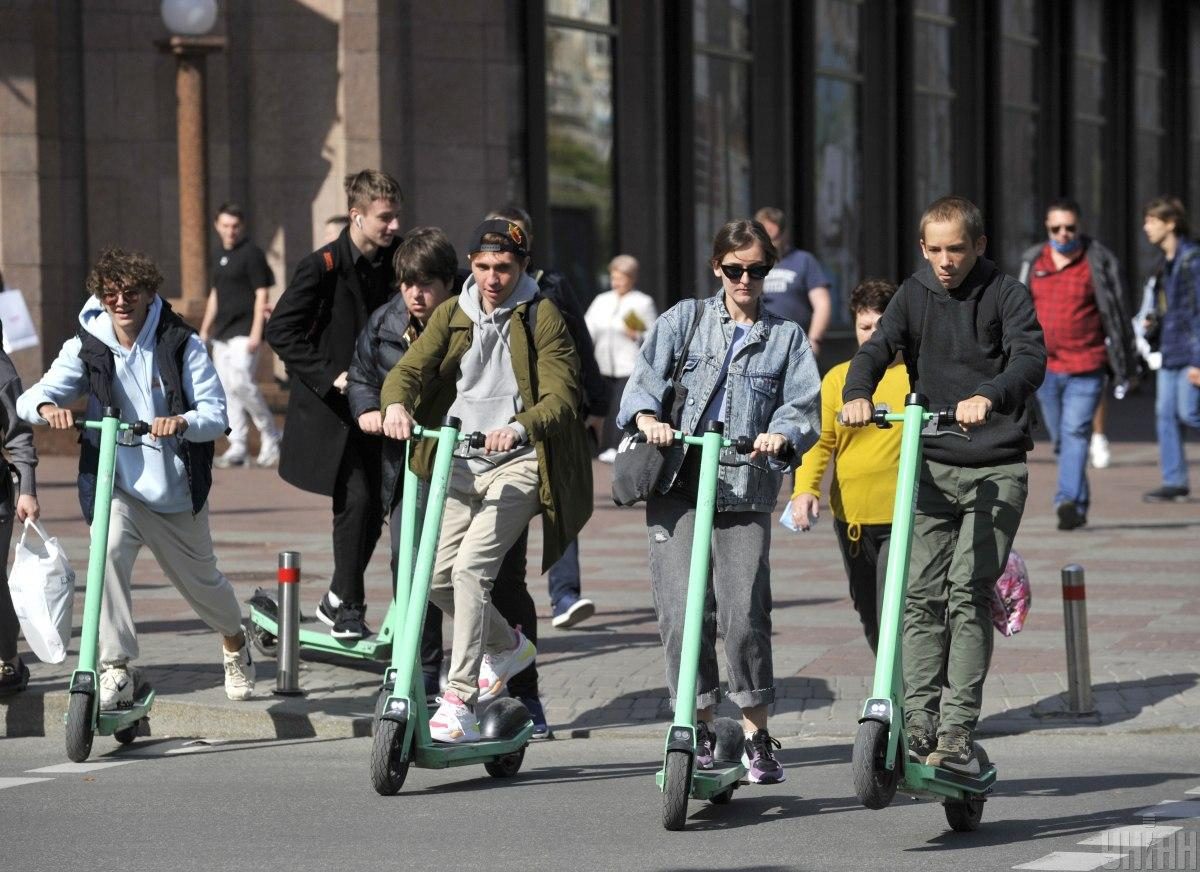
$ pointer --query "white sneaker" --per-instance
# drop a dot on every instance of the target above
(1099, 452)
(239, 673)
(496, 669)
(453, 722)
(268, 455)
(116, 688)
(608, 455)
(230, 458)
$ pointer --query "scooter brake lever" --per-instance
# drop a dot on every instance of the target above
(933, 428)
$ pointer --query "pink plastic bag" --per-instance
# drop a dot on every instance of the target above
(1011, 597)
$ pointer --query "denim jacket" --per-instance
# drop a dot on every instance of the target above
(772, 387)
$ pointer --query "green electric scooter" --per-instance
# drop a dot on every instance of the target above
(84, 719)
(679, 778)
(402, 735)
(881, 763)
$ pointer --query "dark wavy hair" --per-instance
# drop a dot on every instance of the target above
(120, 270)
(424, 255)
(871, 295)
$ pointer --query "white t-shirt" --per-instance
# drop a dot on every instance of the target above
(607, 320)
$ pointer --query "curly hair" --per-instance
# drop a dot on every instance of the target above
(117, 269)
(871, 295)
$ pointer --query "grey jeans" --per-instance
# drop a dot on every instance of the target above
(738, 604)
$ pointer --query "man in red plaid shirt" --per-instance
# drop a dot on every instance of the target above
(1080, 301)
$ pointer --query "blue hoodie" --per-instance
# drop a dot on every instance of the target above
(153, 472)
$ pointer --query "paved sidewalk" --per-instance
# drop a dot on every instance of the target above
(606, 676)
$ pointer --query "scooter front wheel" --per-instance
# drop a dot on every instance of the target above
(874, 784)
(677, 785)
(388, 770)
(80, 729)
(964, 815)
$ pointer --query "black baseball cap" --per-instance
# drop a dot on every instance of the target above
(512, 238)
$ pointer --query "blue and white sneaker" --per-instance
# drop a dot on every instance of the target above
(537, 714)
(572, 610)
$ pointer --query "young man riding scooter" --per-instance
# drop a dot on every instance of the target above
(971, 340)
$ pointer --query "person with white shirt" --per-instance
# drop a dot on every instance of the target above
(618, 321)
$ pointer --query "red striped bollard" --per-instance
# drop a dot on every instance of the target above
(1079, 668)
(287, 679)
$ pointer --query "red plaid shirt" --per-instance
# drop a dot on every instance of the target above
(1065, 300)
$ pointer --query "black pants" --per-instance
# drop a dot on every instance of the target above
(9, 626)
(510, 596)
(864, 554)
(357, 515)
(612, 433)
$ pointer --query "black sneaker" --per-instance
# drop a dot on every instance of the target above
(350, 623)
(1168, 493)
(1069, 516)
(327, 611)
(921, 742)
(760, 759)
(705, 742)
(13, 679)
(954, 750)
(537, 714)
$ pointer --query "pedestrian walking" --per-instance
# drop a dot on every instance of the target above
(755, 372)
(313, 330)
(1079, 298)
(233, 322)
(797, 288)
(133, 353)
(970, 339)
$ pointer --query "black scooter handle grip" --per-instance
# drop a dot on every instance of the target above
(477, 439)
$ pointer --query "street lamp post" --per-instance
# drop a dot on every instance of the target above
(189, 21)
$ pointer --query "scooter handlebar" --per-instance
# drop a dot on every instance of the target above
(138, 428)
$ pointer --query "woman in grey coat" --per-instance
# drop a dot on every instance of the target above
(755, 372)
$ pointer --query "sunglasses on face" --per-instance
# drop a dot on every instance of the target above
(131, 296)
(734, 271)
(1056, 228)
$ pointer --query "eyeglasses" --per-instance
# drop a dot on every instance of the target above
(1056, 228)
(734, 271)
(130, 295)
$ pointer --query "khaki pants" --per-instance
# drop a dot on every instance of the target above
(485, 514)
(965, 524)
(182, 545)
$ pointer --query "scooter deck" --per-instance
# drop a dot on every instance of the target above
(378, 648)
(707, 783)
(934, 781)
(438, 755)
(108, 722)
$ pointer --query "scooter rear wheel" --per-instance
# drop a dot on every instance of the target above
(388, 771)
(677, 785)
(266, 644)
(874, 785)
(506, 766)
(80, 729)
(126, 735)
(964, 815)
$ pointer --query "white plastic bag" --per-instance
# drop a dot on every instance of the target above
(42, 585)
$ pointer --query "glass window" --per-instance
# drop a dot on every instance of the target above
(1019, 220)
(1090, 121)
(579, 130)
(721, 72)
(1150, 81)
(838, 149)
(933, 105)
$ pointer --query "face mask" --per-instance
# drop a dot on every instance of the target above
(1066, 247)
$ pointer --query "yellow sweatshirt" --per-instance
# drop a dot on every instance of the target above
(866, 460)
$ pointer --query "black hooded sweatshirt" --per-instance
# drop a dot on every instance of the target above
(982, 337)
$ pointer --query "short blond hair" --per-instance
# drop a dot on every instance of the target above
(624, 263)
(366, 186)
(954, 209)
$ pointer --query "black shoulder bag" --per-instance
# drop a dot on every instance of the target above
(638, 465)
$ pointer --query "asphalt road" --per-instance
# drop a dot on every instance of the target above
(582, 804)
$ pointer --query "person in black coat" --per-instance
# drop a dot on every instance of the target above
(313, 330)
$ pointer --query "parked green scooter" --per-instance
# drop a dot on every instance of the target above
(679, 778)
(881, 763)
(402, 737)
(84, 719)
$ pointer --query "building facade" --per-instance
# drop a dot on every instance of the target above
(633, 126)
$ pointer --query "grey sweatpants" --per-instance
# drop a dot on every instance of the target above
(738, 604)
(182, 545)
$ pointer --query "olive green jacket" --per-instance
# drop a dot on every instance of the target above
(548, 379)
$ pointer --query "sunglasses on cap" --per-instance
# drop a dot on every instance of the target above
(734, 271)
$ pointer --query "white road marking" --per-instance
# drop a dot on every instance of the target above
(1124, 838)
(1071, 861)
(1171, 808)
(1193, 791)
(79, 768)
(17, 782)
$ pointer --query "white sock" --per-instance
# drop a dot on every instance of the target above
(334, 599)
